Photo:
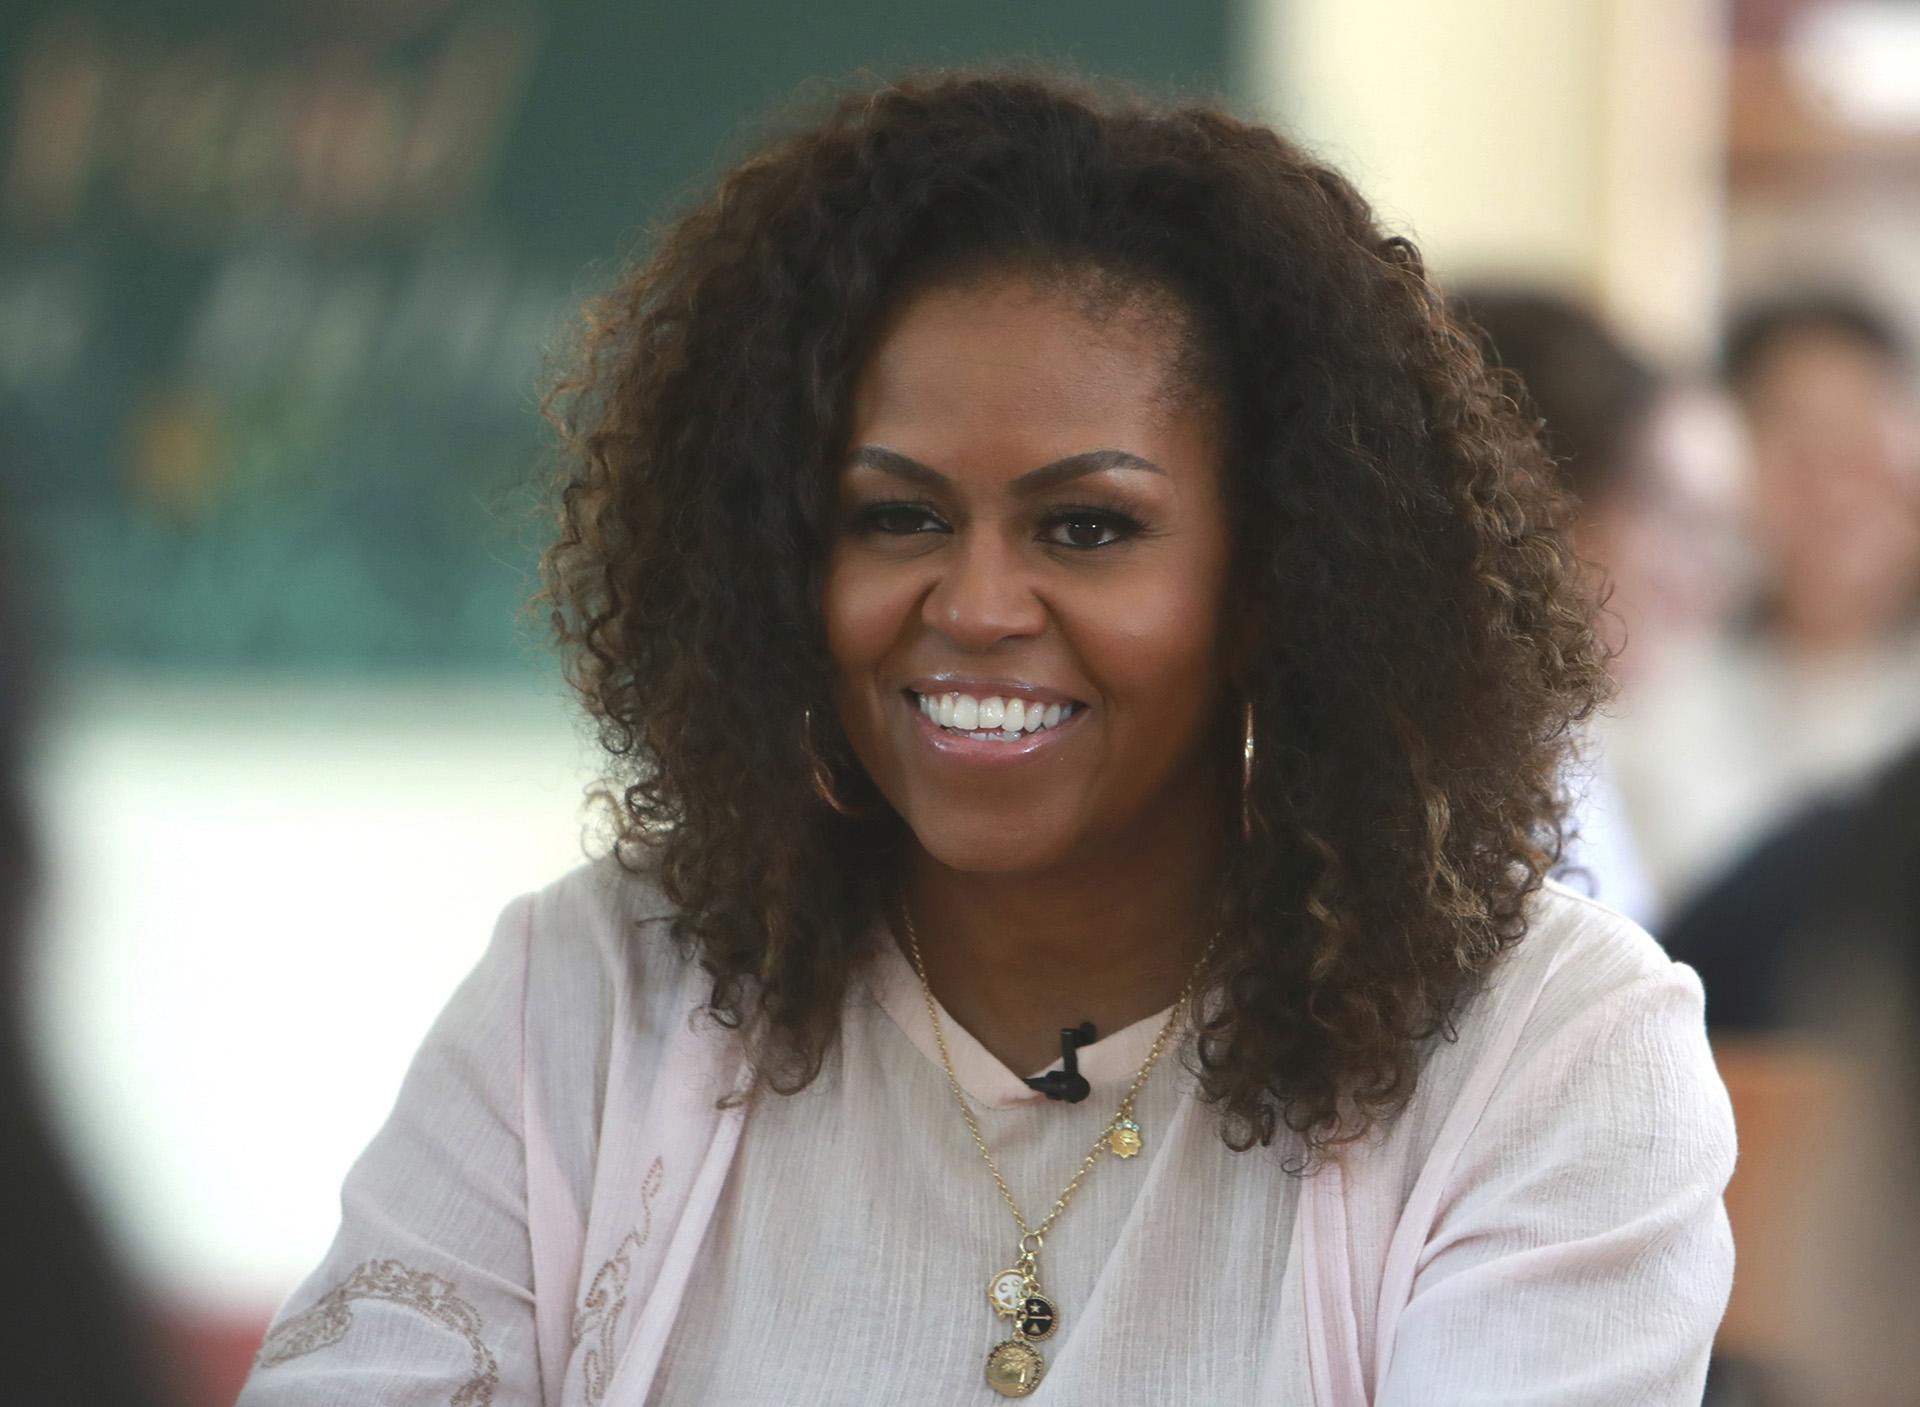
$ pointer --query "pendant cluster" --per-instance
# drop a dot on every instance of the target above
(1015, 1366)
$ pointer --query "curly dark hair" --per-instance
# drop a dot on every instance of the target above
(1421, 641)
(1594, 393)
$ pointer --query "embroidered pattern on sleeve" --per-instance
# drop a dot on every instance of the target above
(389, 1282)
(606, 1298)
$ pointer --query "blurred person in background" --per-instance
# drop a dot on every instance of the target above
(1038, 558)
(1819, 682)
(69, 1333)
(1824, 382)
(1825, 386)
(1800, 844)
(1654, 467)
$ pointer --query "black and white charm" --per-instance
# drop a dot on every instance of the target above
(1038, 1319)
(1008, 1291)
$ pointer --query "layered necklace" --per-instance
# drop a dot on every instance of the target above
(1015, 1366)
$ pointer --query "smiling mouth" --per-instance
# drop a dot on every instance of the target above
(993, 719)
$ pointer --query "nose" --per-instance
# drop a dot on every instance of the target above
(983, 595)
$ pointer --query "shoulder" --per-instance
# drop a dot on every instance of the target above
(1585, 978)
(1585, 1020)
(1576, 956)
(599, 939)
(605, 989)
(598, 902)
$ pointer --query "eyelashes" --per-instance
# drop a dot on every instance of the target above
(894, 518)
(1107, 526)
(1077, 527)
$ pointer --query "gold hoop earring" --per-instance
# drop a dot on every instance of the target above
(817, 772)
(1246, 773)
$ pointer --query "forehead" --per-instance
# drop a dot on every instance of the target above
(1013, 360)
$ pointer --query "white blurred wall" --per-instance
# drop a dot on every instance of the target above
(255, 901)
(1573, 142)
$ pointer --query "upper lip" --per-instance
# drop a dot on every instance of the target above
(978, 687)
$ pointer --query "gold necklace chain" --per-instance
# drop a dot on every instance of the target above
(1123, 1113)
(1015, 1366)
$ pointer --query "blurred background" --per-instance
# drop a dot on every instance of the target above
(276, 284)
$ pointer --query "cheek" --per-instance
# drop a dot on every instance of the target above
(1154, 647)
(863, 610)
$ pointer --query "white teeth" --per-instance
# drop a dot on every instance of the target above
(993, 718)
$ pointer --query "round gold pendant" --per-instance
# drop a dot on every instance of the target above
(1006, 1292)
(1124, 1139)
(1038, 1318)
(1014, 1368)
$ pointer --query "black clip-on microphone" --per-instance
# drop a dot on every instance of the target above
(1068, 1084)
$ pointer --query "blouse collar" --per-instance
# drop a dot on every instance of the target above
(1109, 1064)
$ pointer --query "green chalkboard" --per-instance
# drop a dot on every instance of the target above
(275, 280)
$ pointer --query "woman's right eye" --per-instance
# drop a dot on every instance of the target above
(897, 519)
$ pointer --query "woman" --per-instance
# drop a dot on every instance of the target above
(1036, 562)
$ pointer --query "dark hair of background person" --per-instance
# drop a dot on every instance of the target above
(1592, 394)
(1417, 643)
(1762, 326)
(68, 1332)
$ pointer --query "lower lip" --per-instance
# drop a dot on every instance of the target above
(961, 748)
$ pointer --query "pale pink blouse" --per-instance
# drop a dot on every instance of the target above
(556, 1213)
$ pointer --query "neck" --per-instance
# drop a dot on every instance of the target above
(1110, 938)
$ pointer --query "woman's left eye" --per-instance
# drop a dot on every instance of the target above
(1086, 528)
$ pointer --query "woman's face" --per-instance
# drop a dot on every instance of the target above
(1024, 595)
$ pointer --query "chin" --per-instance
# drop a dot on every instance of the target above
(988, 847)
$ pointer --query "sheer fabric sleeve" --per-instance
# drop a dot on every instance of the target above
(1581, 1254)
(424, 1299)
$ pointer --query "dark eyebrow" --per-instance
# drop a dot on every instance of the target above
(1047, 476)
